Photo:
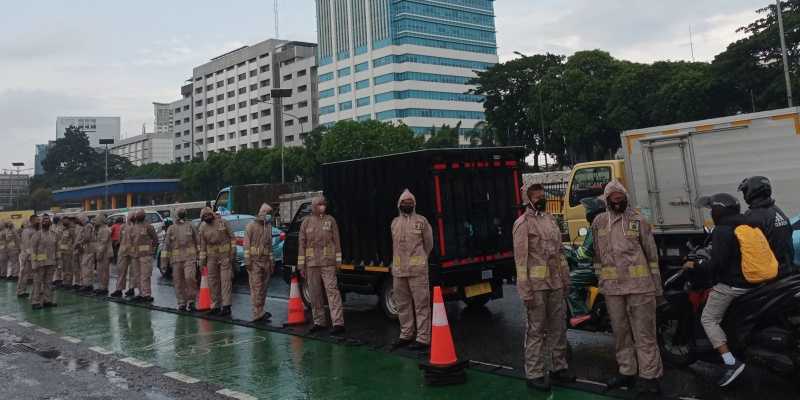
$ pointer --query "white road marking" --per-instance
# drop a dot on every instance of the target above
(236, 395)
(45, 331)
(8, 318)
(590, 382)
(136, 363)
(181, 377)
(25, 324)
(101, 350)
(71, 339)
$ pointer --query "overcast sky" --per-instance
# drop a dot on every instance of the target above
(115, 58)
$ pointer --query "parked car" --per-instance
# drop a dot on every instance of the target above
(238, 223)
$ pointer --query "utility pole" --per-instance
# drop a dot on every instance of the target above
(12, 182)
(784, 55)
(106, 142)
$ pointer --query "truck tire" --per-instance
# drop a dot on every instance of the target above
(477, 302)
(673, 349)
(386, 298)
(304, 292)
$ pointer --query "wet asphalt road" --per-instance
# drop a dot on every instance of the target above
(493, 335)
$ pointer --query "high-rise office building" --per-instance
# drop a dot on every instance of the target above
(95, 128)
(398, 60)
(162, 122)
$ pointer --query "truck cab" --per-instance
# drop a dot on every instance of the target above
(587, 180)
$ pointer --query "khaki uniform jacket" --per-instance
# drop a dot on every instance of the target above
(12, 242)
(258, 242)
(66, 241)
(412, 242)
(319, 242)
(3, 242)
(143, 240)
(44, 246)
(125, 240)
(181, 243)
(102, 247)
(25, 242)
(626, 256)
(86, 238)
(538, 254)
(216, 239)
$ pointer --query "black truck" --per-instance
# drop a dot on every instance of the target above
(470, 196)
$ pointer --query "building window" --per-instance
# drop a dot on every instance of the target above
(266, 143)
(210, 113)
(177, 134)
(243, 146)
(323, 94)
(231, 80)
(266, 113)
(345, 89)
(242, 104)
(232, 121)
(243, 132)
(345, 105)
(221, 110)
(288, 107)
(185, 108)
(186, 120)
(242, 90)
(363, 101)
(198, 90)
(253, 86)
(303, 120)
(361, 67)
(254, 130)
(209, 87)
(242, 77)
(177, 147)
(287, 77)
(290, 138)
(302, 104)
(264, 83)
(231, 135)
(254, 145)
(220, 124)
(178, 122)
(301, 89)
(243, 118)
(198, 103)
(253, 73)
(289, 122)
(198, 116)
(210, 127)
(266, 127)
(220, 138)
(231, 107)
(177, 110)
(300, 73)
(209, 100)
(186, 145)
(211, 139)
(327, 110)
(220, 97)
(264, 68)
(326, 77)
(220, 83)
(343, 72)
(186, 133)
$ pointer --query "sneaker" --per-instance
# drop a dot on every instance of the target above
(541, 383)
(316, 328)
(619, 380)
(400, 343)
(563, 376)
(337, 330)
(190, 308)
(731, 373)
(116, 294)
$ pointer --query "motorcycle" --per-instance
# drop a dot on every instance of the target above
(762, 326)
(586, 308)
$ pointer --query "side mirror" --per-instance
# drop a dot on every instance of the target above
(583, 232)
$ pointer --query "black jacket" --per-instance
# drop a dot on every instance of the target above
(776, 228)
(725, 265)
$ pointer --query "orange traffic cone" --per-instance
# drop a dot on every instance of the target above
(204, 296)
(297, 312)
(444, 367)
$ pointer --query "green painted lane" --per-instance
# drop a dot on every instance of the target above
(260, 363)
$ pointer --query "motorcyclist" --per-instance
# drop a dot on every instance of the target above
(582, 278)
(594, 206)
(757, 192)
(724, 267)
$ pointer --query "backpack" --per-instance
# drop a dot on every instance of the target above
(759, 265)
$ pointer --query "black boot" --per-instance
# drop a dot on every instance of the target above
(116, 294)
(49, 304)
(541, 383)
(316, 328)
(190, 307)
(214, 312)
(619, 380)
(648, 386)
(563, 376)
(400, 343)
(225, 312)
(37, 306)
(337, 330)
(130, 293)
(182, 308)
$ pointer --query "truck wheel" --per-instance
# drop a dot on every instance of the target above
(674, 349)
(386, 299)
(476, 302)
(305, 294)
(164, 269)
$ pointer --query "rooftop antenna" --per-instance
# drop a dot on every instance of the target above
(691, 42)
(277, 27)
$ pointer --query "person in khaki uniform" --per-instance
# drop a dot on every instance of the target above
(103, 252)
(66, 248)
(543, 284)
(12, 247)
(258, 260)
(3, 252)
(143, 242)
(44, 258)
(626, 262)
(58, 275)
(125, 271)
(85, 244)
(180, 251)
(412, 242)
(25, 256)
(319, 255)
(217, 249)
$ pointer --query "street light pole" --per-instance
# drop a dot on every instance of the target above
(106, 142)
(11, 199)
(783, 54)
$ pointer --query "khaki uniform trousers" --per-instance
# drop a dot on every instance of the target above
(412, 296)
(67, 269)
(259, 273)
(319, 279)
(220, 279)
(184, 277)
(143, 269)
(633, 320)
(546, 332)
(102, 272)
(13, 265)
(24, 273)
(87, 269)
(42, 277)
(126, 273)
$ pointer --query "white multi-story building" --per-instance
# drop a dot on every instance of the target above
(231, 100)
(162, 122)
(146, 148)
(404, 61)
(182, 125)
(95, 128)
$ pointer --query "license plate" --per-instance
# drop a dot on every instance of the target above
(477, 290)
(486, 275)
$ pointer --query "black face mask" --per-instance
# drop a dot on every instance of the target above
(619, 207)
(46, 225)
(182, 215)
(540, 205)
(208, 220)
(406, 209)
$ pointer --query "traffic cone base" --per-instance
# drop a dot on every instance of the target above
(297, 312)
(443, 367)
(204, 295)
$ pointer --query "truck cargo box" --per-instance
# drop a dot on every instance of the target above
(471, 197)
(668, 167)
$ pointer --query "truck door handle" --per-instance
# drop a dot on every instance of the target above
(679, 202)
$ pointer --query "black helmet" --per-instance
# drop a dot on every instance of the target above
(755, 187)
(721, 205)
(594, 207)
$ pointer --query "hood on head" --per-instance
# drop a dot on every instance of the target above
(180, 211)
(264, 210)
(407, 195)
(317, 201)
(615, 186)
(206, 210)
(83, 218)
(99, 219)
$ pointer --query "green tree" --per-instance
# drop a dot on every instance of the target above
(73, 162)
(41, 199)
(350, 140)
(444, 137)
